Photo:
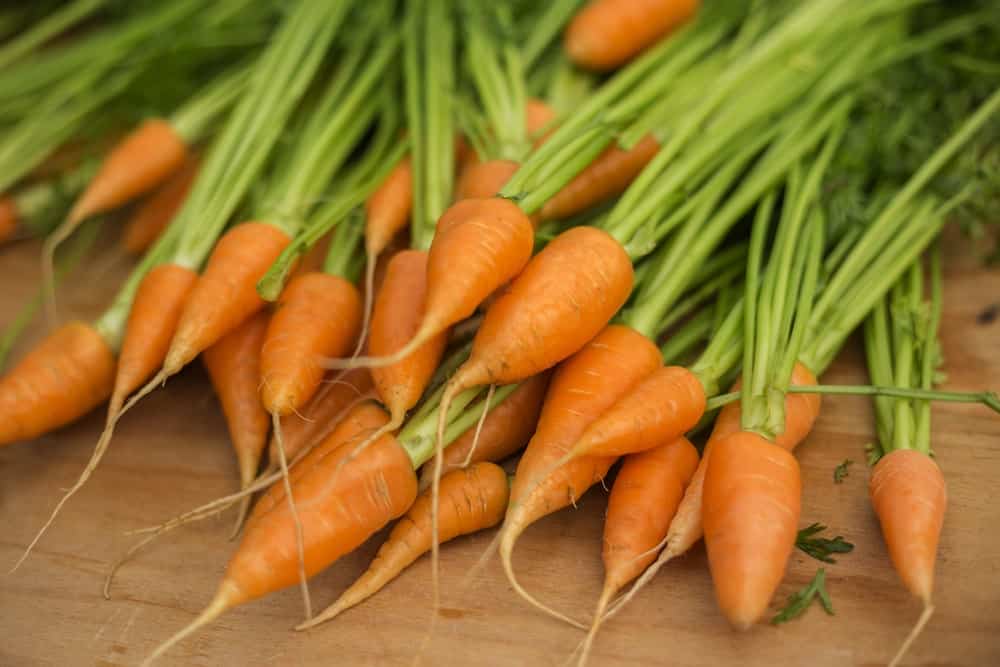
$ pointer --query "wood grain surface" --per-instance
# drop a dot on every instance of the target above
(172, 454)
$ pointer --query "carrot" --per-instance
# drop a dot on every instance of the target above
(480, 245)
(484, 179)
(388, 209)
(643, 499)
(472, 499)
(318, 315)
(582, 388)
(751, 511)
(538, 119)
(8, 218)
(150, 219)
(909, 495)
(68, 374)
(336, 517)
(601, 180)
(234, 367)
(506, 429)
(398, 312)
(608, 33)
(321, 414)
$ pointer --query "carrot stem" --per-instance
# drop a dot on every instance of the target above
(988, 398)
(47, 28)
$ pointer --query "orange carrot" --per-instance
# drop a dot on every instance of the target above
(318, 315)
(538, 117)
(378, 486)
(68, 374)
(753, 491)
(472, 499)
(8, 218)
(226, 291)
(484, 179)
(582, 388)
(388, 208)
(909, 495)
(601, 180)
(664, 406)
(479, 245)
(608, 33)
(137, 164)
(506, 429)
(801, 411)
(150, 219)
(318, 417)
(643, 499)
(233, 365)
(398, 312)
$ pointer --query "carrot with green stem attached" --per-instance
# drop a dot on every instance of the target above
(34, 210)
(372, 485)
(165, 284)
(473, 499)
(147, 157)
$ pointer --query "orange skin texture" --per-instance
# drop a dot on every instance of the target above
(563, 298)
(507, 428)
(388, 208)
(606, 177)
(663, 407)
(484, 179)
(144, 159)
(801, 411)
(397, 314)
(318, 316)
(480, 245)
(582, 388)
(645, 495)
(226, 293)
(233, 365)
(150, 219)
(471, 499)
(753, 491)
(65, 376)
(321, 414)
(608, 33)
(339, 512)
(8, 218)
(909, 495)
(152, 321)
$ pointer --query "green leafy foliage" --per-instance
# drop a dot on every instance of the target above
(800, 601)
(841, 471)
(821, 548)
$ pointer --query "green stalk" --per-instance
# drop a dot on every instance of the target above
(904, 302)
(279, 79)
(929, 352)
(546, 27)
(414, 90)
(878, 352)
(195, 118)
(680, 342)
(986, 398)
(46, 29)
(341, 258)
(42, 206)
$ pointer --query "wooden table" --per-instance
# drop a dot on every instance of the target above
(172, 453)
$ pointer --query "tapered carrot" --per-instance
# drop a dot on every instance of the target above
(471, 500)
(507, 428)
(608, 33)
(582, 388)
(480, 245)
(753, 491)
(399, 309)
(643, 499)
(318, 315)
(68, 374)
(234, 367)
(150, 219)
(604, 178)
(909, 495)
(318, 417)
(388, 208)
(378, 486)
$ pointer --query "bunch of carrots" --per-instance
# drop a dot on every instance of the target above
(410, 242)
